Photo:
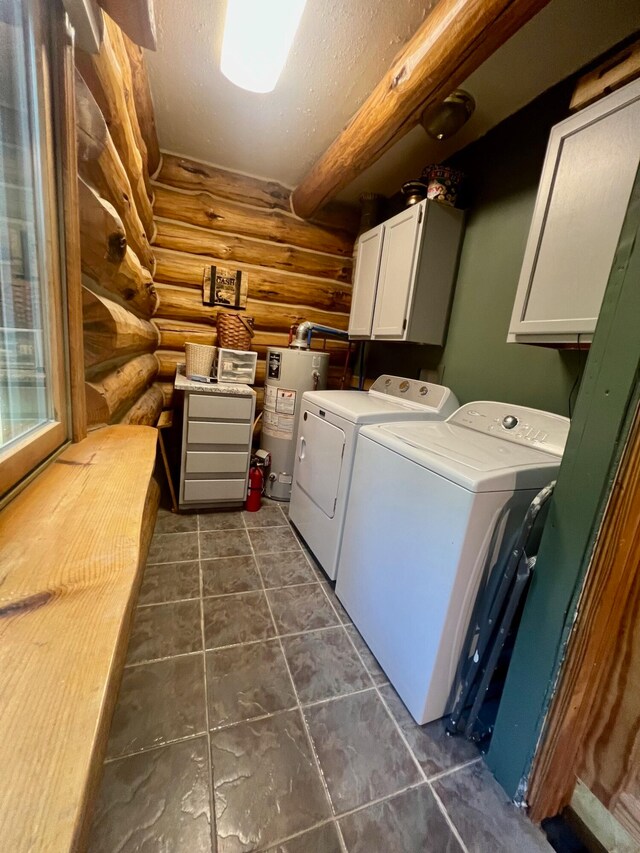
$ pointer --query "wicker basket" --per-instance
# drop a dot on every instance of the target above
(234, 331)
(199, 359)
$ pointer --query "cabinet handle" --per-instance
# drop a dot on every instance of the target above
(303, 447)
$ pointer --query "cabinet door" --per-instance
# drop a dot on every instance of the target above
(365, 281)
(589, 169)
(397, 272)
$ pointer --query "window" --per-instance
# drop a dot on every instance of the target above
(33, 398)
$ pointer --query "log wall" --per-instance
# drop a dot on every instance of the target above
(297, 270)
(117, 148)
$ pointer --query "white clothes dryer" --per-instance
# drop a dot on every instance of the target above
(432, 506)
(326, 443)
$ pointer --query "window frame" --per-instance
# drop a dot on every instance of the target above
(26, 454)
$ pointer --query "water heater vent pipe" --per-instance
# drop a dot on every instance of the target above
(306, 329)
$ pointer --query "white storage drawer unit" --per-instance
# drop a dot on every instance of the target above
(222, 408)
(203, 432)
(214, 491)
(234, 365)
(586, 182)
(404, 275)
(209, 462)
(216, 443)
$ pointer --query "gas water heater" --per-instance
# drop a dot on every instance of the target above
(290, 372)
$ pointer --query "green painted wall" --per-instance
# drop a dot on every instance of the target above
(503, 170)
(603, 415)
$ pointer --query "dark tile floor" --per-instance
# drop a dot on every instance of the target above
(252, 716)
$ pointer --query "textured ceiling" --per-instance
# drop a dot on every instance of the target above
(342, 49)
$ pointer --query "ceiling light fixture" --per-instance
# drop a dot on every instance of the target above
(258, 35)
(446, 118)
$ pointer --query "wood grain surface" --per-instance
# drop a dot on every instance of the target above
(116, 225)
(296, 270)
(104, 76)
(100, 165)
(230, 248)
(136, 18)
(143, 103)
(107, 260)
(210, 211)
(266, 285)
(111, 393)
(72, 547)
(111, 332)
(454, 40)
(146, 410)
(594, 726)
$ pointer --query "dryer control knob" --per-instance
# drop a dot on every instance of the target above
(509, 422)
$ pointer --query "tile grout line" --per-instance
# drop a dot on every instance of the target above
(382, 799)
(137, 663)
(376, 687)
(154, 748)
(403, 737)
(300, 711)
(334, 818)
(317, 702)
(213, 829)
(448, 818)
(337, 818)
(276, 635)
(264, 586)
(428, 780)
(169, 601)
(444, 773)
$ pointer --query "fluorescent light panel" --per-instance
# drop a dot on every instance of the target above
(258, 35)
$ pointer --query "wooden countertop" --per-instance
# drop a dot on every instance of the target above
(72, 549)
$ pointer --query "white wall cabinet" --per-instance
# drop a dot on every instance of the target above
(404, 276)
(588, 174)
(365, 283)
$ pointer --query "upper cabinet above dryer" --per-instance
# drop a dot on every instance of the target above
(404, 276)
(588, 174)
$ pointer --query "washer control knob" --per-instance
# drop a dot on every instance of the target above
(423, 390)
(509, 421)
(387, 382)
(404, 386)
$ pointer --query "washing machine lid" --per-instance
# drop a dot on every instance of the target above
(474, 460)
(390, 397)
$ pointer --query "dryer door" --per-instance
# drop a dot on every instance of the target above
(319, 461)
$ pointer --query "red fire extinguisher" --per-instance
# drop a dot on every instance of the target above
(256, 483)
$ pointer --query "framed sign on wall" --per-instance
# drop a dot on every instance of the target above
(224, 286)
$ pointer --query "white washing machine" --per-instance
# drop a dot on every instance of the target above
(326, 443)
(432, 506)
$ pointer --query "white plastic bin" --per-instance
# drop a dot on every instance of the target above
(235, 365)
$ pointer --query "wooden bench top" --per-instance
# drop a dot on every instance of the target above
(72, 549)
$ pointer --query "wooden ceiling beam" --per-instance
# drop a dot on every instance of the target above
(136, 18)
(456, 38)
